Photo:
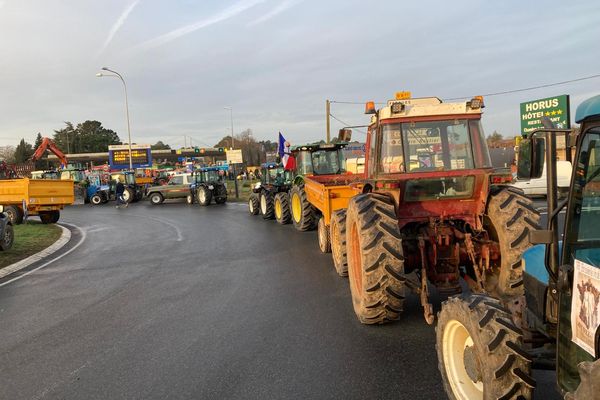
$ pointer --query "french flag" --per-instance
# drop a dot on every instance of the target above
(287, 159)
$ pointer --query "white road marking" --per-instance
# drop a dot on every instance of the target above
(83, 237)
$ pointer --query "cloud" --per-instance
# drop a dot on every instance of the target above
(117, 25)
(277, 10)
(225, 14)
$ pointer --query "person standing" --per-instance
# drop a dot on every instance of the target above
(120, 189)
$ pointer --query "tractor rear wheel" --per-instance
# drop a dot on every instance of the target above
(337, 231)
(323, 233)
(302, 210)
(204, 196)
(266, 205)
(253, 204)
(128, 195)
(282, 208)
(375, 259)
(7, 239)
(480, 354)
(510, 218)
(96, 199)
(14, 214)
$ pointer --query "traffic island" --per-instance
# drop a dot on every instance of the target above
(30, 238)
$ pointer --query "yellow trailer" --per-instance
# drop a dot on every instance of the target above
(42, 197)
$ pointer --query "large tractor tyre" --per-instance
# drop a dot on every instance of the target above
(204, 196)
(283, 214)
(323, 234)
(50, 217)
(7, 239)
(14, 214)
(267, 208)
(302, 210)
(337, 232)
(375, 259)
(156, 199)
(480, 354)
(253, 204)
(510, 218)
(96, 199)
(128, 195)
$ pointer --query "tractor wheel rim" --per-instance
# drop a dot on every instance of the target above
(263, 204)
(278, 209)
(296, 207)
(356, 264)
(456, 341)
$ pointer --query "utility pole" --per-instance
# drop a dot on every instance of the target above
(328, 112)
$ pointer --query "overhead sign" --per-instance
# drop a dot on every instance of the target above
(555, 108)
(234, 156)
(118, 156)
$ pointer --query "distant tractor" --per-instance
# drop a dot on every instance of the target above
(319, 160)
(480, 342)
(133, 191)
(270, 196)
(208, 184)
(432, 210)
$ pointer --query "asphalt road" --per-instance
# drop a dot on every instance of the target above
(190, 302)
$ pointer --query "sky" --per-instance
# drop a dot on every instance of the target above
(276, 62)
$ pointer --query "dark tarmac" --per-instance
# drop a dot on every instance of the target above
(186, 302)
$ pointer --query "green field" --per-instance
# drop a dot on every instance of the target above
(30, 238)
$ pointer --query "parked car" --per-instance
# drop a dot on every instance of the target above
(7, 235)
(177, 188)
(537, 187)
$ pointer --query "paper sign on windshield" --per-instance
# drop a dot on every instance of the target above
(585, 307)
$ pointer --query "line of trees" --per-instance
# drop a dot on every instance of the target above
(253, 152)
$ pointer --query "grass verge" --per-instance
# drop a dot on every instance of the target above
(30, 238)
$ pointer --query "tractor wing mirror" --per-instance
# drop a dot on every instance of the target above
(531, 158)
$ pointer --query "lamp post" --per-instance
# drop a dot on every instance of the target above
(231, 117)
(117, 75)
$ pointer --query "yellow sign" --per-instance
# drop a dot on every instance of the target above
(403, 95)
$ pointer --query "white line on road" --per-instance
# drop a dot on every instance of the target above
(83, 236)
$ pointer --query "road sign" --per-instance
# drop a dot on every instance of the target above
(234, 156)
(556, 108)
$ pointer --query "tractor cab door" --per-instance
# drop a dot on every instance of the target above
(579, 286)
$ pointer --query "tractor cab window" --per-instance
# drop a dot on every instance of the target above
(277, 176)
(129, 179)
(304, 163)
(392, 157)
(212, 176)
(438, 145)
(328, 162)
(584, 238)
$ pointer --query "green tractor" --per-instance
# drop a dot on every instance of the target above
(481, 341)
(208, 184)
(313, 159)
(270, 196)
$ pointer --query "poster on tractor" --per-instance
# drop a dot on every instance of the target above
(585, 307)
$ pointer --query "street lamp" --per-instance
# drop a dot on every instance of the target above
(117, 75)
(231, 116)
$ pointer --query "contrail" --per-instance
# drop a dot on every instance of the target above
(227, 13)
(277, 10)
(117, 25)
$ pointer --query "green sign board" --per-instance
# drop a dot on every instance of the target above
(555, 108)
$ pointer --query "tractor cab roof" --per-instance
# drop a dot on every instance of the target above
(204, 169)
(318, 146)
(589, 108)
(271, 165)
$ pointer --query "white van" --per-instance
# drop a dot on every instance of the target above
(537, 187)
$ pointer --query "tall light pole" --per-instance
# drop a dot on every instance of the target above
(231, 116)
(117, 75)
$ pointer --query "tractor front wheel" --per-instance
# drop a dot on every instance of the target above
(266, 205)
(375, 259)
(190, 199)
(510, 218)
(253, 204)
(337, 232)
(282, 208)
(302, 210)
(480, 354)
(323, 233)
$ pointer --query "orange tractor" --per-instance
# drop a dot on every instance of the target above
(431, 210)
